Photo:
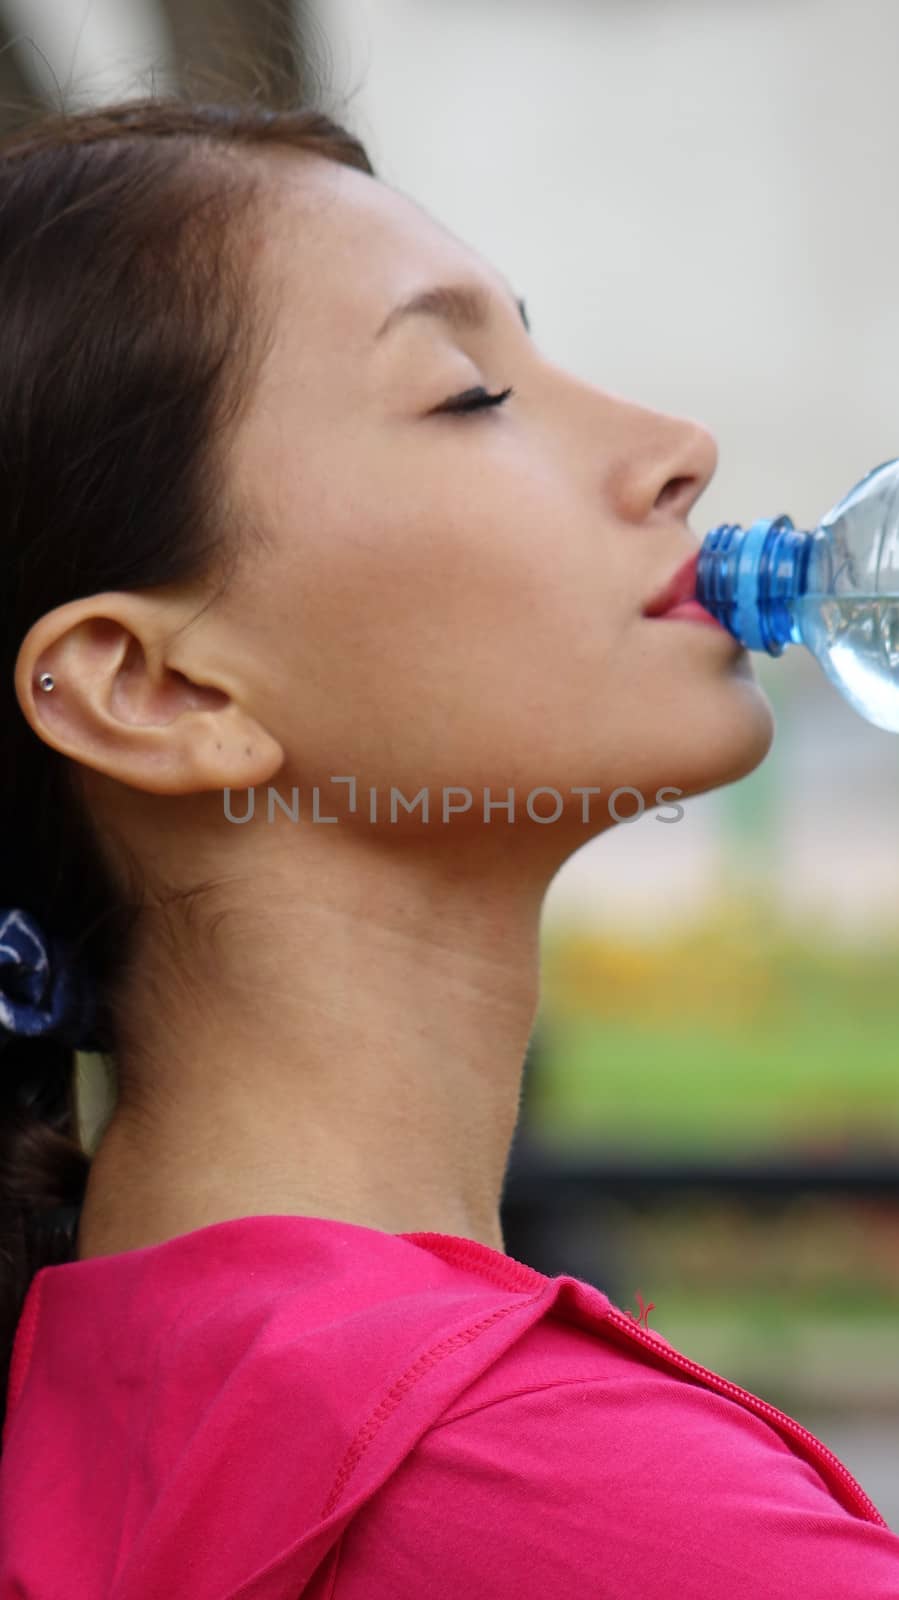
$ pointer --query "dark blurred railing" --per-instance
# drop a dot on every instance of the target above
(555, 1209)
(552, 1213)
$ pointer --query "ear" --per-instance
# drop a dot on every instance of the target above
(119, 705)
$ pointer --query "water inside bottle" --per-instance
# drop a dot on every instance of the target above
(856, 640)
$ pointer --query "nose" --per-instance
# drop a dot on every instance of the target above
(689, 470)
(665, 463)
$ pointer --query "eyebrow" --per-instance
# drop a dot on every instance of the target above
(462, 305)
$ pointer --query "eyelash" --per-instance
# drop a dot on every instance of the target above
(476, 400)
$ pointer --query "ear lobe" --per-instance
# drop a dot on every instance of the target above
(200, 747)
(198, 750)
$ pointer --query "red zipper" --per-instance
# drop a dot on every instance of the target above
(661, 1347)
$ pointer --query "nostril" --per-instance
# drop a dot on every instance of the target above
(673, 489)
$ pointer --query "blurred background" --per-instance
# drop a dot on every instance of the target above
(696, 201)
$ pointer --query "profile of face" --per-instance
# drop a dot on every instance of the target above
(447, 599)
(455, 598)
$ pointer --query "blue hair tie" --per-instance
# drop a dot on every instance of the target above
(41, 990)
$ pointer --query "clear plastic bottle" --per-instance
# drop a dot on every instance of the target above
(835, 590)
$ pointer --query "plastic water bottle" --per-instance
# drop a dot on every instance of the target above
(835, 590)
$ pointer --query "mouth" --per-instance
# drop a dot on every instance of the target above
(678, 598)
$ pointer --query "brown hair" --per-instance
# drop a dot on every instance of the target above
(127, 342)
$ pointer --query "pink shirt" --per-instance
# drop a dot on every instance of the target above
(280, 1406)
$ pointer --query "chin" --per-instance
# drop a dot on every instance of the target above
(734, 740)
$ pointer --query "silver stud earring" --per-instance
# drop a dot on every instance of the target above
(46, 681)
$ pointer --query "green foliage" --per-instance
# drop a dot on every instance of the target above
(741, 1030)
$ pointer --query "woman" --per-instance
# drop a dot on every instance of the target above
(326, 643)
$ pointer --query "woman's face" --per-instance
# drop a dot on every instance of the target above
(456, 600)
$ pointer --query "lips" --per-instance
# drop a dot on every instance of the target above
(678, 589)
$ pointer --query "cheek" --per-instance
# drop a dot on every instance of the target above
(461, 624)
(444, 692)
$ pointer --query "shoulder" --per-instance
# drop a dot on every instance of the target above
(622, 1477)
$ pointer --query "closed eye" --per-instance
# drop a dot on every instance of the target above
(475, 400)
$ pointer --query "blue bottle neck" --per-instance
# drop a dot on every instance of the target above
(750, 579)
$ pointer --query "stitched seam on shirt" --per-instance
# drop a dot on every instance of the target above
(404, 1384)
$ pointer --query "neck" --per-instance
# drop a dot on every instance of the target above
(349, 1044)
